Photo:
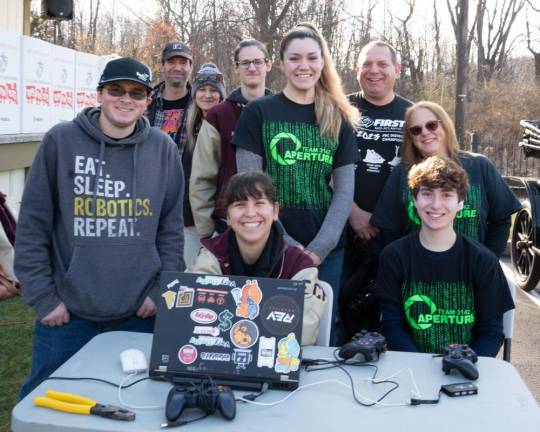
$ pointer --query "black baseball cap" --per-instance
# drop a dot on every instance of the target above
(126, 69)
(173, 49)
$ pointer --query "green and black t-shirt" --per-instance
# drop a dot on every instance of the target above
(443, 295)
(299, 160)
(488, 199)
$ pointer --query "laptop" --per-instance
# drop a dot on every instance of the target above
(240, 331)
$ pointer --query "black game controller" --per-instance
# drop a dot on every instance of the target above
(368, 344)
(207, 398)
(462, 358)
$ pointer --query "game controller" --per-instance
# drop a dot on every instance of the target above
(462, 358)
(368, 344)
(207, 398)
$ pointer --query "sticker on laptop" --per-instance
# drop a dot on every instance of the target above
(203, 316)
(267, 351)
(187, 354)
(211, 296)
(206, 330)
(170, 298)
(280, 314)
(288, 355)
(172, 284)
(185, 297)
(214, 356)
(224, 319)
(242, 358)
(209, 341)
(215, 280)
(244, 334)
(247, 299)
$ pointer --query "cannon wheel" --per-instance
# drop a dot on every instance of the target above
(525, 261)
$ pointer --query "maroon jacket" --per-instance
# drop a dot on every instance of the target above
(223, 117)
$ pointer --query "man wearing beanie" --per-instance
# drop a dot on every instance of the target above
(97, 224)
(171, 98)
(214, 156)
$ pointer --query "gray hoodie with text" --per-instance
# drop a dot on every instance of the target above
(100, 218)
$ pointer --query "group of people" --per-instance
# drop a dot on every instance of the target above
(307, 183)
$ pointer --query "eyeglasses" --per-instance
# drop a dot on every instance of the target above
(258, 62)
(430, 126)
(116, 91)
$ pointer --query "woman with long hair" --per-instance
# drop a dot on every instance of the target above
(489, 203)
(303, 138)
(208, 89)
(253, 245)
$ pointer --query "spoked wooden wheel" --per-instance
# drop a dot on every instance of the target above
(525, 260)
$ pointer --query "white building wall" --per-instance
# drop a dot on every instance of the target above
(12, 20)
(11, 15)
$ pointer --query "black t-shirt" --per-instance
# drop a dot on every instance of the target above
(299, 160)
(488, 199)
(379, 135)
(172, 113)
(443, 295)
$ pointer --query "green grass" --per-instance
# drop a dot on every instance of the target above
(16, 331)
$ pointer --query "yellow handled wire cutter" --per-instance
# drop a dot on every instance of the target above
(76, 404)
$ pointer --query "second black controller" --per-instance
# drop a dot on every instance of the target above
(462, 358)
(368, 344)
(208, 399)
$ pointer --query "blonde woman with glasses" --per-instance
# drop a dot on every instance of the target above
(488, 205)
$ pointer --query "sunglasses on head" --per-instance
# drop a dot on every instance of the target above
(116, 91)
(430, 126)
(211, 78)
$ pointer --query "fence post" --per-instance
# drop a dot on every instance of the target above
(475, 139)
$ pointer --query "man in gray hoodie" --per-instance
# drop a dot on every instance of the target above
(101, 216)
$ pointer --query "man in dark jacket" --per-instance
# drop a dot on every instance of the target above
(171, 98)
(97, 224)
(214, 160)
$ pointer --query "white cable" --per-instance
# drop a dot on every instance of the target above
(415, 392)
(133, 406)
(318, 383)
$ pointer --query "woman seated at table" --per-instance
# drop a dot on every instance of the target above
(489, 204)
(253, 245)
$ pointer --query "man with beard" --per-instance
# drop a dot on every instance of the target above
(171, 97)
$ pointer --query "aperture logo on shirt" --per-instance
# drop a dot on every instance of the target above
(424, 320)
(285, 156)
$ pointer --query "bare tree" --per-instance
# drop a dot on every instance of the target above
(536, 54)
(492, 32)
(459, 18)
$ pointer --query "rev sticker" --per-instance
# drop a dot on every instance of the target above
(187, 354)
(224, 318)
(267, 350)
(244, 334)
(247, 299)
(288, 352)
(185, 297)
(280, 314)
(203, 316)
(170, 298)
(242, 358)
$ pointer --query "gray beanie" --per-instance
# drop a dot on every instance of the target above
(209, 74)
